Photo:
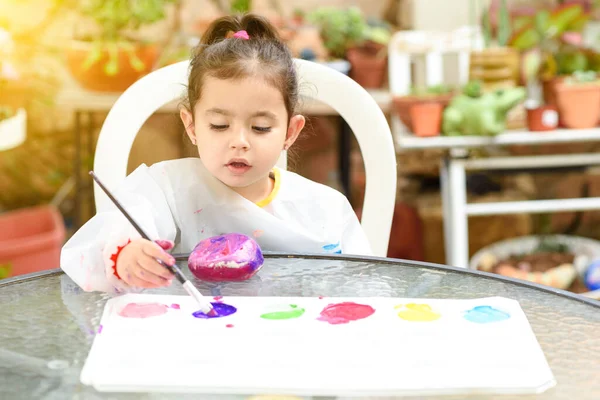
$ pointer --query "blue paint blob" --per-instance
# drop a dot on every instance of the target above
(486, 314)
(333, 248)
(221, 310)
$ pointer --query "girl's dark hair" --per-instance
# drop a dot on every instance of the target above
(224, 57)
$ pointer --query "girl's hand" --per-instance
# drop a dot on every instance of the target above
(137, 265)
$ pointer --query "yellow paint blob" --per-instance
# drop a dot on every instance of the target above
(418, 312)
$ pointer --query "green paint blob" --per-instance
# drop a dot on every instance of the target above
(294, 312)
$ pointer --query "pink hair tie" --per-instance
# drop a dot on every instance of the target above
(241, 35)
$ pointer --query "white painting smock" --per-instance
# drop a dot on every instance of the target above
(179, 200)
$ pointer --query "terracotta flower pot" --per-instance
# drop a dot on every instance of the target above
(95, 78)
(426, 119)
(403, 104)
(368, 65)
(578, 104)
(30, 240)
(544, 118)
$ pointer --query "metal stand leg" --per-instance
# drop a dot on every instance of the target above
(344, 156)
(89, 165)
(446, 209)
(459, 237)
(76, 167)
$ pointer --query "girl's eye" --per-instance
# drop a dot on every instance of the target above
(262, 128)
(218, 127)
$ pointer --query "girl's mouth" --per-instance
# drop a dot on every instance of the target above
(238, 167)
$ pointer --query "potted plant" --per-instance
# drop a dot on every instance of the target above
(434, 99)
(578, 100)
(347, 35)
(112, 57)
(368, 59)
(541, 39)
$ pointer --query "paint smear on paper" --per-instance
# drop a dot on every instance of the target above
(175, 306)
(218, 299)
(100, 329)
(342, 313)
(258, 233)
(333, 248)
(229, 326)
(418, 312)
(486, 314)
(198, 211)
(143, 310)
(292, 312)
(221, 310)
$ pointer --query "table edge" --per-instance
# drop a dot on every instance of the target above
(356, 258)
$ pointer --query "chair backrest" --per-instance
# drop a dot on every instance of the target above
(326, 85)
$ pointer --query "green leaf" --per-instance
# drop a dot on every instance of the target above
(112, 66)
(504, 28)
(93, 56)
(134, 60)
(486, 28)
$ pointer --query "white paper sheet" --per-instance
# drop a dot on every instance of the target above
(440, 347)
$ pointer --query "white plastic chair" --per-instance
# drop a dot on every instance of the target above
(326, 85)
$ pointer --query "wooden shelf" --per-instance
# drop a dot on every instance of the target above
(407, 141)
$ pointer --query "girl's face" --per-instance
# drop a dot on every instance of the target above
(240, 128)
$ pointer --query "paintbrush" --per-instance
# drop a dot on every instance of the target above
(205, 305)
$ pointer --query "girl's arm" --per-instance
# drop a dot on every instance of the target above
(90, 255)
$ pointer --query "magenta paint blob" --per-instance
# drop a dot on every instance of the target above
(230, 257)
(100, 329)
(221, 310)
(175, 306)
(342, 313)
(143, 310)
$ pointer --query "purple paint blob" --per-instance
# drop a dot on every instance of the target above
(100, 329)
(230, 257)
(221, 310)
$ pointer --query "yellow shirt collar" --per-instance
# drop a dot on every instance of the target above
(267, 200)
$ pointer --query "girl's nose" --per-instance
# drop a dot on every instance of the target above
(240, 140)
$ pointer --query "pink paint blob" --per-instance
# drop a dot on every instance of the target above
(143, 310)
(198, 211)
(342, 313)
(230, 257)
(218, 298)
(165, 244)
(321, 297)
(229, 326)
(175, 306)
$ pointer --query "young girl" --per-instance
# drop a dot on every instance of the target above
(242, 95)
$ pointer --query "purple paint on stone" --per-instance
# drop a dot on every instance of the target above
(229, 257)
(221, 310)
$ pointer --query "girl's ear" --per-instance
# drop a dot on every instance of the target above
(295, 126)
(188, 123)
